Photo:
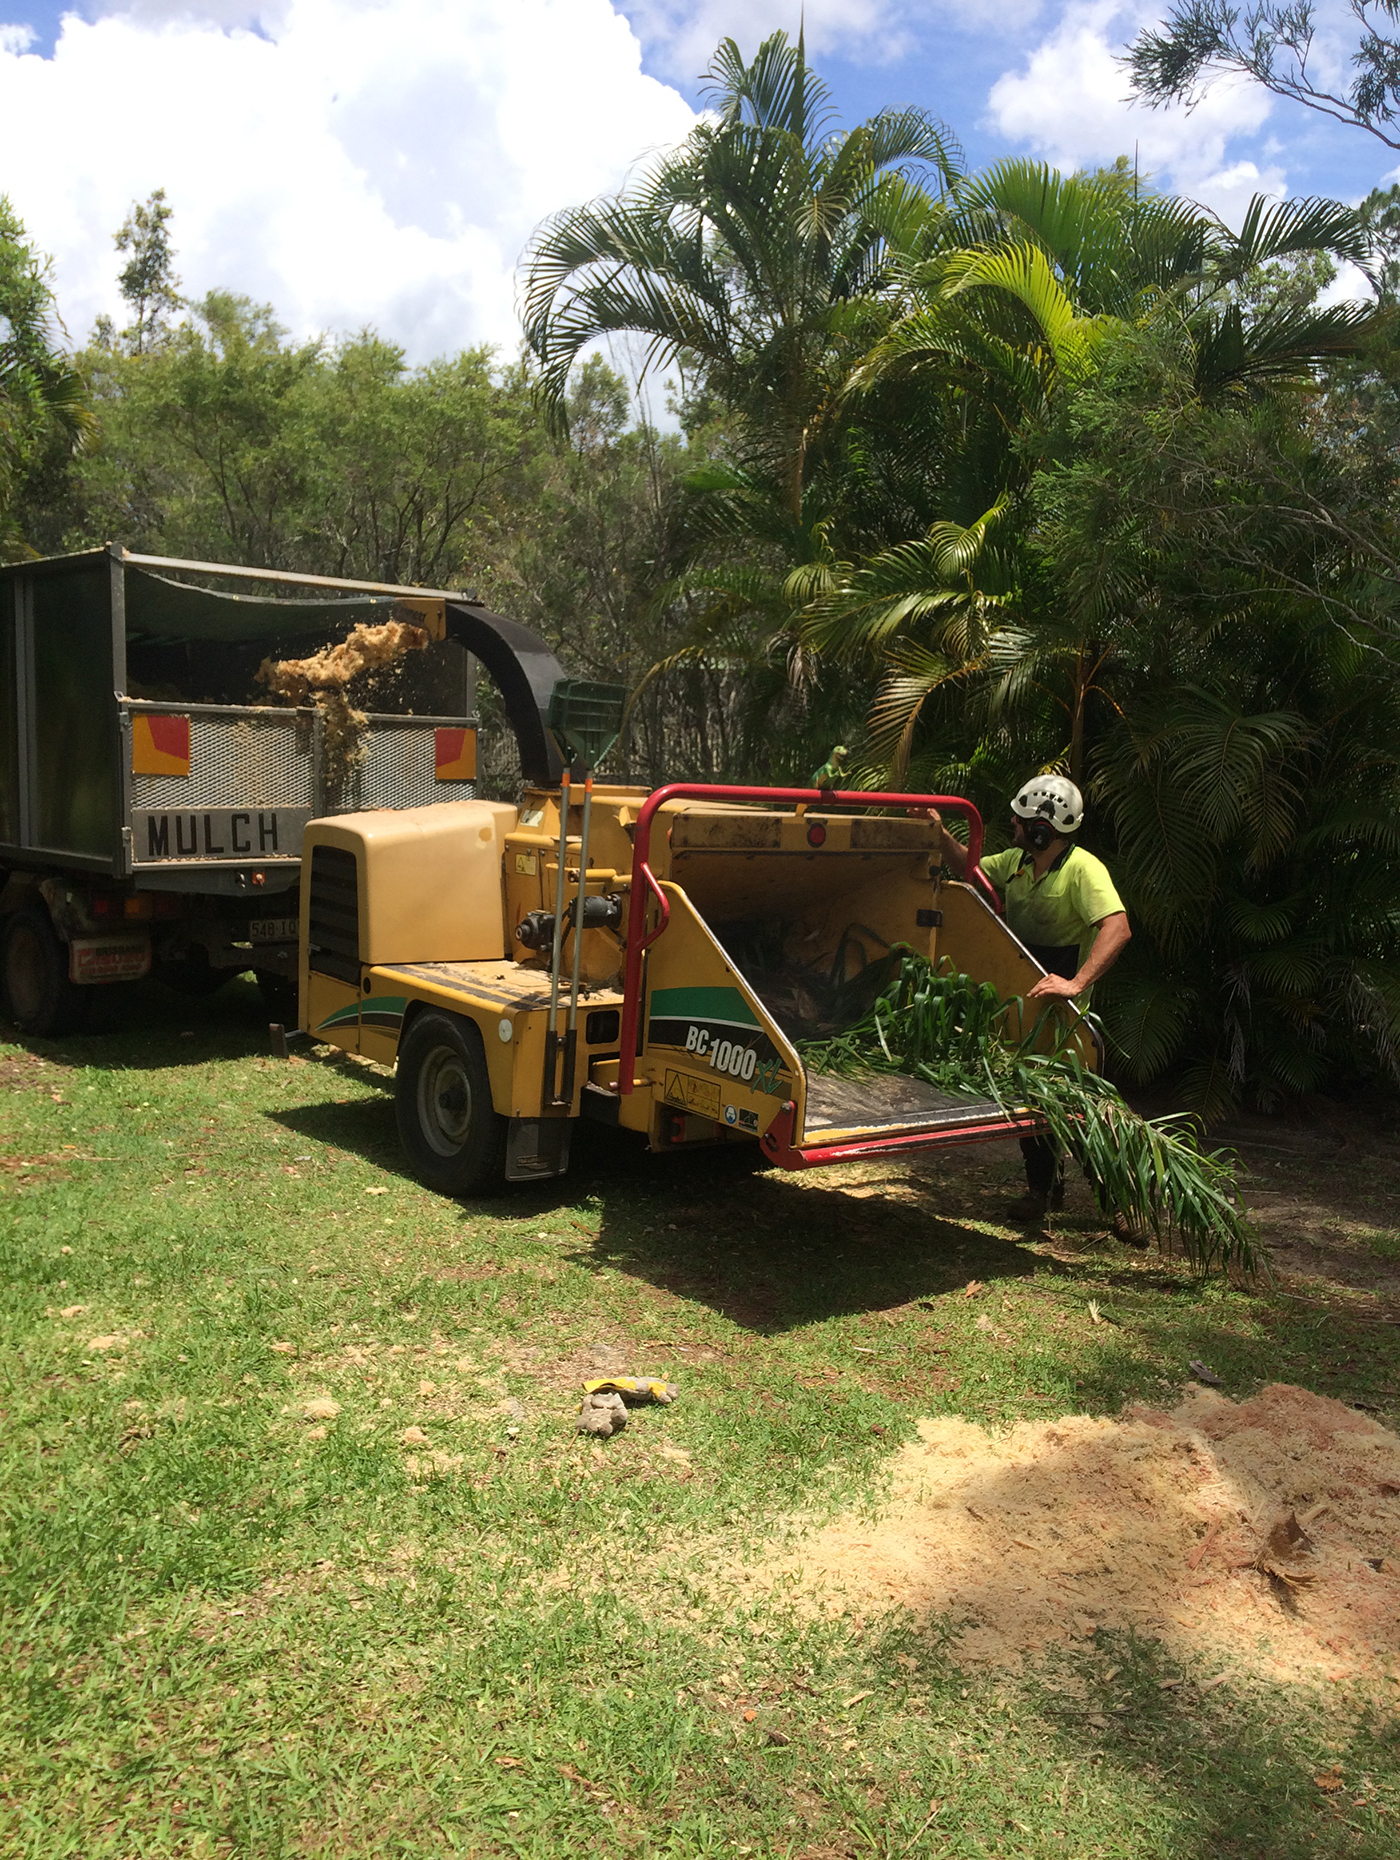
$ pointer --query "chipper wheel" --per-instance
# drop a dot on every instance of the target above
(454, 1139)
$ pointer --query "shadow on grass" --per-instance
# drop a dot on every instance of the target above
(1239, 1764)
(1143, 1755)
(773, 1254)
(143, 1026)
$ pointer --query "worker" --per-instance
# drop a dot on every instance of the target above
(1062, 905)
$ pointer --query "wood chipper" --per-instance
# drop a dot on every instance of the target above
(650, 960)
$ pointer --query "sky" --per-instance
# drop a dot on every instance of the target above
(383, 163)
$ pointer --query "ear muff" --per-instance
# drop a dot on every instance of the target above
(1040, 833)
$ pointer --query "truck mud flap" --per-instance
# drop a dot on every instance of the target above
(537, 1147)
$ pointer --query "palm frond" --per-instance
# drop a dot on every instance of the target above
(1274, 229)
(955, 1034)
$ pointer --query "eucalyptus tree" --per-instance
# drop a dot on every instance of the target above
(43, 398)
(1272, 43)
(147, 280)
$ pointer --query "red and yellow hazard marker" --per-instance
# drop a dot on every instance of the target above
(160, 745)
(454, 755)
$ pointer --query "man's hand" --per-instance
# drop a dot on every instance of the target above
(951, 851)
(1055, 987)
(1110, 937)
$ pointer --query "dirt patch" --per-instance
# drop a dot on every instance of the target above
(1173, 1523)
(25, 1071)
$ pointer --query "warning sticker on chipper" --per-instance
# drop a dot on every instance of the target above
(698, 1095)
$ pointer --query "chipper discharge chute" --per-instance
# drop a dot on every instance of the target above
(651, 961)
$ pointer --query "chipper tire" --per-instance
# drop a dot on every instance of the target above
(39, 998)
(452, 1135)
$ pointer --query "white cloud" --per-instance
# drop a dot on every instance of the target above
(348, 161)
(681, 35)
(1069, 102)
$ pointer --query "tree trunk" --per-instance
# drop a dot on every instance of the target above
(1084, 658)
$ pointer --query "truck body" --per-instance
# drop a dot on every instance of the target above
(153, 799)
(718, 927)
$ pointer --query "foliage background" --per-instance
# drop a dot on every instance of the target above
(980, 474)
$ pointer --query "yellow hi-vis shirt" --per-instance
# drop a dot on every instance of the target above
(1056, 916)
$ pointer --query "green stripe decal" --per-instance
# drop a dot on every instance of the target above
(725, 1004)
(341, 1017)
(373, 1011)
(383, 1007)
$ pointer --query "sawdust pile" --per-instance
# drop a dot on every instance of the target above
(321, 679)
(1267, 1532)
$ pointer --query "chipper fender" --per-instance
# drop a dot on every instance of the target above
(452, 1134)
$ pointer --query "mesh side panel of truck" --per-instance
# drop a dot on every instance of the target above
(397, 769)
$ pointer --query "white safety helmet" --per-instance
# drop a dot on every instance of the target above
(1054, 798)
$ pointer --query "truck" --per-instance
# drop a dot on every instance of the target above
(644, 959)
(154, 800)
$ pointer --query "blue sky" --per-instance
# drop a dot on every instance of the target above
(948, 56)
(383, 162)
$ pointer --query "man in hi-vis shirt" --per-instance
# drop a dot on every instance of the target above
(1061, 903)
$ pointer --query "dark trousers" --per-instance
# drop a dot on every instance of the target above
(1045, 1167)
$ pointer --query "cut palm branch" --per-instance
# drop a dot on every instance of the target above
(957, 1035)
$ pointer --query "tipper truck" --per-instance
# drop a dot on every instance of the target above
(153, 799)
(649, 960)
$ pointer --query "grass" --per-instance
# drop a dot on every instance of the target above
(243, 1614)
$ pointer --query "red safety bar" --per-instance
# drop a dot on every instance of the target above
(644, 883)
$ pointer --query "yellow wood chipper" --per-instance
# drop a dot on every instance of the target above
(650, 960)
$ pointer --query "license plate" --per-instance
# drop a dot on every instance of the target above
(251, 835)
(273, 930)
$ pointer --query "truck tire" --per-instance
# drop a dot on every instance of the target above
(39, 998)
(451, 1133)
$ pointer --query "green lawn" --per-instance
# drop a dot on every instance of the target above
(243, 1614)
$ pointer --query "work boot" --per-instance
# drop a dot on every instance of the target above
(1031, 1209)
(1124, 1230)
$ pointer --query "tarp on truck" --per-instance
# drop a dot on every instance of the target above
(165, 612)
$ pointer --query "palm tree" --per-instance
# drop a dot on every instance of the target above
(1060, 274)
(758, 252)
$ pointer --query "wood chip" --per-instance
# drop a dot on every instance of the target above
(1203, 1547)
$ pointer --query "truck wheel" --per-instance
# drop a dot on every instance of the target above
(39, 998)
(453, 1137)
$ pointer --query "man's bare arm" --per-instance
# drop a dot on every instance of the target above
(1112, 938)
(951, 851)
